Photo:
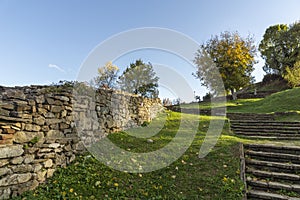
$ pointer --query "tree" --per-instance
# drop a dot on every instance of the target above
(140, 78)
(107, 76)
(229, 56)
(280, 48)
(293, 75)
(272, 48)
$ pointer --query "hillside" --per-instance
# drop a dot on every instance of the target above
(284, 101)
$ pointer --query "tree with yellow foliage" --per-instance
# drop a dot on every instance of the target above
(234, 58)
(107, 76)
(292, 75)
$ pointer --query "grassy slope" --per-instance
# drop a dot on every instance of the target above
(288, 100)
(214, 177)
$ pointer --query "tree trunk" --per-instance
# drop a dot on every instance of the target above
(233, 94)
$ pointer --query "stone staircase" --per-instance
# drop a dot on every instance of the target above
(271, 172)
(266, 129)
(263, 126)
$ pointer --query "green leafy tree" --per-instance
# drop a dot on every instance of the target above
(140, 78)
(232, 56)
(107, 76)
(280, 48)
(272, 48)
(293, 75)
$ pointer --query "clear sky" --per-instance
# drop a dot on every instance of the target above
(46, 41)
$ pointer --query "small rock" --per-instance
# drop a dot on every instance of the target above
(149, 140)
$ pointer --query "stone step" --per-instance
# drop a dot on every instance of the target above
(263, 123)
(271, 156)
(273, 166)
(266, 131)
(269, 135)
(274, 176)
(258, 137)
(273, 148)
(274, 186)
(265, 127)
(257, 195)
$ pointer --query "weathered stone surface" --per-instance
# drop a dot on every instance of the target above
(17, 160)
(50, 172)
(37, 167)
(32, 127)
(54, 145)
(28, 159)
(53, 120)
(39, 120)
(15, 179)
(4, 162)
(41, 176)
(4, 171)
(23, 137)
(56, 109)
(48, 163)
(8, 106)
(22, 168)
(6, 136)
(5, 193)
(11, 151)
(55, 134)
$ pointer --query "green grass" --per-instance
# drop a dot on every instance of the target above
(285, 101)
(214, 177)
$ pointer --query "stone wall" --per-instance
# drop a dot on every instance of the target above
(45, 127)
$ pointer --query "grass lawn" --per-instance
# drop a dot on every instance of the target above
(284, 101)
(288, 100)
(214, 177)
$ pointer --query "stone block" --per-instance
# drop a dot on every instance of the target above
(28, 159)
(32, 127)
(37, 167)
(50, 172)
(5, 193)
(17, 160)
(24, 137)
(4, 171)
(55, 134)
(48, 163)
(11, 151)
(56, 109)
(22, 168)
(54, 145)
(39, 120)
(4, 162)
(41, 176)
(15, 179)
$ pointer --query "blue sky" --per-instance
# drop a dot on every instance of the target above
(46, 41)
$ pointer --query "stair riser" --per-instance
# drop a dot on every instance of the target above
(274, 169)
(264, 187)
(250, 131)
(273, 159)
(279, 128)
(274, 150)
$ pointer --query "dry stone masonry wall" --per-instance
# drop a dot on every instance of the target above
(40, 129)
